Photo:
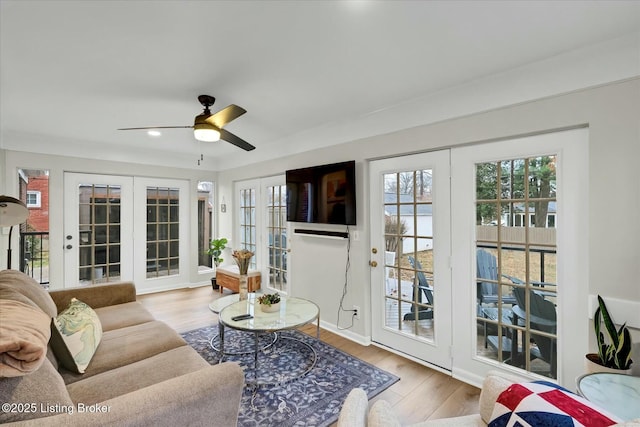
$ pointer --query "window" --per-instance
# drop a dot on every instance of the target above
(33, 199)
(277, 232)
(247, 222)
(516, 265)
(34, 233)
(205, 223)
(99, 216)
(163, 226)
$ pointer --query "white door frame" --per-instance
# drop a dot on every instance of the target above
(71, 219)
(571, 148)
(437, 351)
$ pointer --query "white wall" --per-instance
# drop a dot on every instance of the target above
(610, 111)
(58, 165)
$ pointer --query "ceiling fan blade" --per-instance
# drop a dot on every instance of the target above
(238, 142)
(225, 115)
(159, 127)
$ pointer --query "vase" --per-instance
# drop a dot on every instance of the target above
(591, 365)
(243, 287)
(270, 308)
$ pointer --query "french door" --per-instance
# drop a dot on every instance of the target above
(520, 241)
(478, 256)
(98, 228)
(410, 237)
(262, 228)
(126, 228)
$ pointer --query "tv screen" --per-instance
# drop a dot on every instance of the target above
(322, 194)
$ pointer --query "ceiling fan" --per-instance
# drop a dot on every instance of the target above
(209, 127)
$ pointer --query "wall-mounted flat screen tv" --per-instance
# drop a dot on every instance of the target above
(323, 194)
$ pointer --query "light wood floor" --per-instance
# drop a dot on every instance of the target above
(421, 393)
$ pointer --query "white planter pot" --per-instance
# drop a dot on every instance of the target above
(270, 308)
(591, 366)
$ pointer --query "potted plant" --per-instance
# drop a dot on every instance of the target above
(614, 353)
(216, 246)
(269, 303)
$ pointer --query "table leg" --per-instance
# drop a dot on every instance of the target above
(221, 335)
(318, 328)
(255, 364)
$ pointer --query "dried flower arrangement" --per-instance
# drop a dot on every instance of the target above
(243, 258)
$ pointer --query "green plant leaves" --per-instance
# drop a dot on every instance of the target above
(617, 354)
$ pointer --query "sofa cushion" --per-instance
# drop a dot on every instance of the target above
(124, 346)
(24, 335)
(76, 334)
(155, 369)
(43, 388)
(17, 286)
(544, 403)
(123, 315)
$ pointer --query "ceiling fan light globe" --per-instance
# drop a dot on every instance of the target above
(206, 134)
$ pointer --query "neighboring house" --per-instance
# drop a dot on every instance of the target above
(423, 224)
(518, 215)
(34, 191)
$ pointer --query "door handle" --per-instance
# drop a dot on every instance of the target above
(69, 246)
(373, 263)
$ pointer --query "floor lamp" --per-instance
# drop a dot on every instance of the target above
(12, 212)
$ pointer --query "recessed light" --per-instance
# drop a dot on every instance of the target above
(154, 133)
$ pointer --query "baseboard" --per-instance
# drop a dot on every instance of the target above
(413, 359)
(468, 377)
(164, 288)
(345, 333)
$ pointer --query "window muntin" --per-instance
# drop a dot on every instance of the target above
(516, 263)
(99, 233)
(276, 206)
(409, 262)
(163, 226)
(247, 222)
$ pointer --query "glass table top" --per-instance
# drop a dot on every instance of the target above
(617, 393)
(294, 312)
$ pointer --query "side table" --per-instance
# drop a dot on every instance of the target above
(617, 393)
(229, 277)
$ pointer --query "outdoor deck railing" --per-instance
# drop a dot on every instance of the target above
(542, 252)
(34, 255)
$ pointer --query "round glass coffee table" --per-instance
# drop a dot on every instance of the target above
(293, 313)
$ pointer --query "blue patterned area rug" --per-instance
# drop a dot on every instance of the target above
(307, 394)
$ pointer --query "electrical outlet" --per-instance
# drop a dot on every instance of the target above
(356, 312)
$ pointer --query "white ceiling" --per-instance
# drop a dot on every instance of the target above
(73, 72)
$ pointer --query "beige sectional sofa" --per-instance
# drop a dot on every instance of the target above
(142, 372)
